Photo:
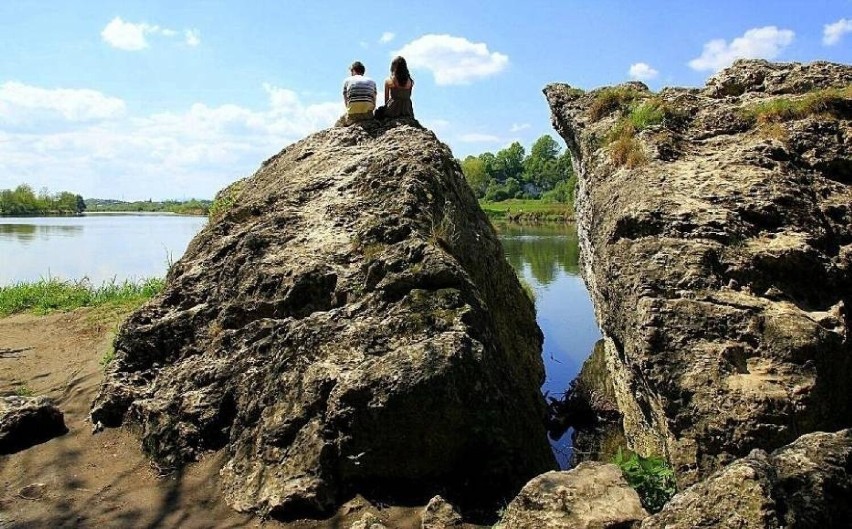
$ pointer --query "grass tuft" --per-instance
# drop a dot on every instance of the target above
(608, 100)
(49, 295)
(225, 200)
(829, 101)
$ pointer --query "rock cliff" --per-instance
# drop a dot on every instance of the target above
(716, 238)
(346, 322)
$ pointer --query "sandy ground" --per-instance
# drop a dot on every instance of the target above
(104, 480)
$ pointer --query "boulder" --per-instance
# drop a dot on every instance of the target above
(28, 421)
(805, 485)
(346, 323)
(592, 495)
(716, 242)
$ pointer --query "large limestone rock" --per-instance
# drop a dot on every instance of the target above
(590, 496)
(28, 421)
(806, 485)
(717, 248)
(345, 323)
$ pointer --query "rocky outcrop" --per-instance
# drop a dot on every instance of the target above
(716, 238)
(590, 496)
(345, 323)
(806, 485)
(28, 421)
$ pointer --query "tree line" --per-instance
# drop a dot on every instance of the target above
(545, 173)
(181, 207)
(24, 201)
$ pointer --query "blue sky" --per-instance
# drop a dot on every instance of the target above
(163, 99)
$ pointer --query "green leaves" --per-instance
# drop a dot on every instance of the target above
(651, 477)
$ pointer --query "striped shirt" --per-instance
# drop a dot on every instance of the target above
(359, 93)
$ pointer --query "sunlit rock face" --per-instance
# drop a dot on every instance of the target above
(716, 238)
(345, 323)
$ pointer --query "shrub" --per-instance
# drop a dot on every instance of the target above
(651, 477)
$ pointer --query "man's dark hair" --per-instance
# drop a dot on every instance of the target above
(358, 68)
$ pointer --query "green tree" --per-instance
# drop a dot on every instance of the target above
(509, 163)
(473, 168)
(541, 167)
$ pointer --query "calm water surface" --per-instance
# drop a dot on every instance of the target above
(547, 258)
(106, 247)
(97, 247)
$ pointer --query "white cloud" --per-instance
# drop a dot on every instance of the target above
(20, 104)
(94, 148)
(642, 72)
(757, 43)
(476, 137)
(386, 37)
(832, 33)
(453, 60)
(133, 37)
(192, 37)
(517, 127)
(126, 35)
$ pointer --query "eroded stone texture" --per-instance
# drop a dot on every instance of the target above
(805, 485)
(440, 514)
(28, 421)
(345, 323)
(590, 496)
(720, 269)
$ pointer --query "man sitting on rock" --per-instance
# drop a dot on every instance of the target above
(359, 96)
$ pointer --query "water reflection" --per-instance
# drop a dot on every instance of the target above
(547, 257)
(546, 250)
(26, 233)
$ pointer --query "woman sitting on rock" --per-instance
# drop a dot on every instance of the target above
(397, 92)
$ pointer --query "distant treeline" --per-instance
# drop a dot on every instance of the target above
(24, 201)
(545, 173)
(182, 207)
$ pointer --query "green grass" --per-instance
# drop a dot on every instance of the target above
(826, 101)
(225, 200)
(48, 295)
(528, 208)
(24, 391)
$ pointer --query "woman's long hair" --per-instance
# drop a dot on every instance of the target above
(399, 70)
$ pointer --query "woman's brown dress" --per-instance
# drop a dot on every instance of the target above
(399, 105)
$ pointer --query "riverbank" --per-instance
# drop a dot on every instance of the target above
(48, 295)
(528, 211)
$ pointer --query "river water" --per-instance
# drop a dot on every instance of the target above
(118, 247)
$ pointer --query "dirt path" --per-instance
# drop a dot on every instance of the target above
(104, 480)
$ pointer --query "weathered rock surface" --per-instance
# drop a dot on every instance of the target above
(440, 514)
(807, 484)
(720, 268)
(28, 421)
(590, 496)
(345, 323)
